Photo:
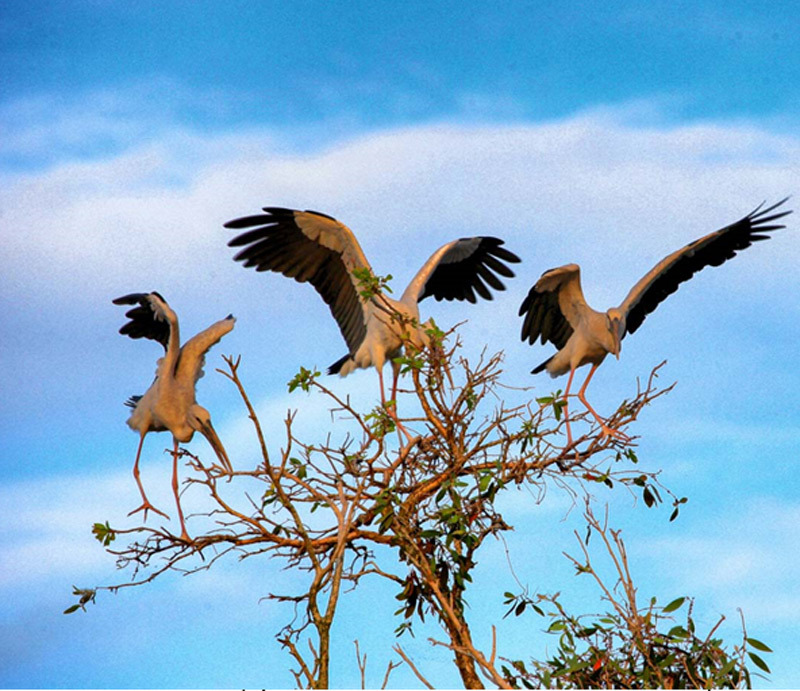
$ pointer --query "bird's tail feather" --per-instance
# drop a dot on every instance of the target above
(336, 366)
(542, 367)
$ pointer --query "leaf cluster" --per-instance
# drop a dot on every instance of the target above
(604, 651)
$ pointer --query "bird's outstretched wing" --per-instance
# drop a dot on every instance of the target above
(149, 319)
(461, 268)
(312, 247)
(193, 353)
(711, 250)
(552, 306)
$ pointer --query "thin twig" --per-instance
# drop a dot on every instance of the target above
(414, 669)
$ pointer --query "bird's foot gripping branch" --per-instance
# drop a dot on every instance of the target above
(360, 501)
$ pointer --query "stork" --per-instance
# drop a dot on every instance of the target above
(313, 247)
(556, 311)
(169, 403)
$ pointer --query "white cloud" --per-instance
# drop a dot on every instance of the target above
(749, 561)
(47, 538)
(51, 127)
(555, 190)
(47, 535)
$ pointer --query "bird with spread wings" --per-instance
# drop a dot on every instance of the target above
(313, 247)
(169, 403)
(555, 310)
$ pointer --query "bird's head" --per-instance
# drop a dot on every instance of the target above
(200, 420)
(615, 321)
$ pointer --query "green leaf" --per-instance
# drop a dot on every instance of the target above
(758, 645)
(675, 604)
(303, 379)
(577, 666)
(759, 662)
(70, 610)
(678, 632)
(369, 284)
(103, 533)
(649, 499)
(386, 522)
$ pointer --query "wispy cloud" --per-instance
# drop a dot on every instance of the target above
(47, 537)
(47, 540)
(744, 561)
(133, 214)
(46, 128)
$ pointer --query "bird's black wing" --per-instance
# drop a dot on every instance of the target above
(711, 250)
(146, 320)
(464, 267)
(551, 305)
(309, 247)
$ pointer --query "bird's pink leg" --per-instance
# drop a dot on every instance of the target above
(380, 379)
(395, 377)
(146, 505)
(566, 406)
(184, 534)
(607, 431)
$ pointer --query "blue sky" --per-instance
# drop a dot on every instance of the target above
(129, 132)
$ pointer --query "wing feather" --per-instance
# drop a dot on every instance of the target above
(148, 319)
(711, 250)
(552, 307)
(310, 247)
(193, 353)
(455, 270)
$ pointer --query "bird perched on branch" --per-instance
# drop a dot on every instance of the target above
(169, 403)
(556, 311)
(312, 247)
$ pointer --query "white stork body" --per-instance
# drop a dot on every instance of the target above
(312, 247)
(556, 311)
(169, 403)
(384, 337)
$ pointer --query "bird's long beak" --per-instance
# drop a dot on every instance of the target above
(208, 432)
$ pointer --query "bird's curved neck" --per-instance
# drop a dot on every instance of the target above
(170, 361)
